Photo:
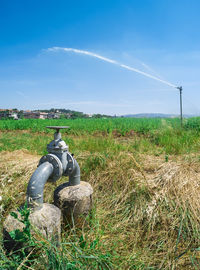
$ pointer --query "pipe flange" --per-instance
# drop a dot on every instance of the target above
(70, 164)
(57, 166)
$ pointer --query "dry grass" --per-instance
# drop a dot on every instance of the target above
(147, 209)
(150, 207)
(15, 172)
(16, 168)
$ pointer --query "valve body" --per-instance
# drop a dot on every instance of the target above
(51, 167)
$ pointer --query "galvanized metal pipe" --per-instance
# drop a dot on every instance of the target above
(36, 185)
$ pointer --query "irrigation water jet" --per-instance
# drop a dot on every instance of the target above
(56, 49)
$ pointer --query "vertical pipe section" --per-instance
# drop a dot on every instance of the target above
(36, 185)
(181, 106)
(74, 176)
(180, 88)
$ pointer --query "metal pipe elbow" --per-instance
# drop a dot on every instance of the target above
(36, 185)
(75, 174)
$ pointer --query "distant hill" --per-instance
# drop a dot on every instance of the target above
(157, 115)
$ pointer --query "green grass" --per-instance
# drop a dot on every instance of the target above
(143, 135)
(145, 176)
(89, 126)
(146, 133)
(74, 252)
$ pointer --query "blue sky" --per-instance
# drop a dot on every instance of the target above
(160, 37)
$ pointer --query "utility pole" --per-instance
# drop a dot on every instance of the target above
(180, 88)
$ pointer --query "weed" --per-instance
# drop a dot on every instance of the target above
(146, 192)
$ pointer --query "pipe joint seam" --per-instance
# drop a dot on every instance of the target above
(57, 166)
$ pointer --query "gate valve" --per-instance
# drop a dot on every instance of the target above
(57, 145)
(57, 163)
(58, 154)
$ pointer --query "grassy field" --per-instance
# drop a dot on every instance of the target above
(85, 126)
(145, 174)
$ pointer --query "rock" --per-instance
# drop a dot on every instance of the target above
(45, 222)
(75, 202)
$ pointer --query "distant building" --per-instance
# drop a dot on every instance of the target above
(68, 115)
(43, 115)
(53, 115)
(3, 113)
(89, 115)
(14, 116)
(9, 113)
(35, 115)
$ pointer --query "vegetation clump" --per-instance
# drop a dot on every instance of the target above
(146, 193)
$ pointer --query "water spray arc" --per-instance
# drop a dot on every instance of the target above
(56, 49)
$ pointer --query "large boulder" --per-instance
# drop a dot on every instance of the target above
(45, 222)
(75, 202)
